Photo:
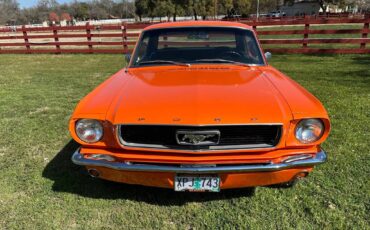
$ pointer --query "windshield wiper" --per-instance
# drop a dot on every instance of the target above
(163, 62)
(220, 60)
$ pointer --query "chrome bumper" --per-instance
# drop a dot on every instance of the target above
(303, 160)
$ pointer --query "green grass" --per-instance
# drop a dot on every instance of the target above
(41, 189)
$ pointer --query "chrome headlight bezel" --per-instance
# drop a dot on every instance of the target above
(89, 130)
(308, 131)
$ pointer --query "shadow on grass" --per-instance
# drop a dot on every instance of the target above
(72, 178)
(362, 60)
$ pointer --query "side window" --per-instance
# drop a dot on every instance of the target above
(142, 50)
(251, 48)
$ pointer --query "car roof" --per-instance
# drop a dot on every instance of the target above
(198, 24)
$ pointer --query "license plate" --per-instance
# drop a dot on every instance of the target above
(197, 183)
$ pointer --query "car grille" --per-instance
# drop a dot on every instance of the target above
(230, 136)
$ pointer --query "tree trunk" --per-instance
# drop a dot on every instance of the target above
(195, 15)
(322, 6)
(174, 14)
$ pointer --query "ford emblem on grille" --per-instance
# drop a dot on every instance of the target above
(206, 137)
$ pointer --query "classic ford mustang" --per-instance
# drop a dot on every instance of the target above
(198, 108)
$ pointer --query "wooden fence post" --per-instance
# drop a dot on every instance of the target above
(365, 32)
(56, 40)
(26, 41)
(165, 38)
(124, 37)
(305, 36)
(88, 33)
(255, 28)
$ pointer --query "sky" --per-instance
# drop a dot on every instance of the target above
(28, 3)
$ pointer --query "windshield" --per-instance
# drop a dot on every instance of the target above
(184, 46)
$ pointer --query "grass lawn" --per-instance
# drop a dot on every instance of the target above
(41, 189)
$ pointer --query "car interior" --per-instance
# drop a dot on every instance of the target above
(193, 45)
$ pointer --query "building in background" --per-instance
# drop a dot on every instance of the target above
(301, 7)
(312, 7)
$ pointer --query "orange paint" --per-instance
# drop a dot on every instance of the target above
(202, 94)
(228, 181)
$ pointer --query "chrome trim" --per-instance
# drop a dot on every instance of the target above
(297, 158)
(203, 63)
(201, 26)
(304, 119)
(202, 125)
(198, 132)
(154, 147)
(316, 159)
(198, 26)
(80, 119)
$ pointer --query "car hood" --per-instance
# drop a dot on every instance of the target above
(197, 95)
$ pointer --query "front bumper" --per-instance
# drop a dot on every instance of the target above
(303, 160)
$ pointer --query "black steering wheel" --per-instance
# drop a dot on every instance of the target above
(231, 53)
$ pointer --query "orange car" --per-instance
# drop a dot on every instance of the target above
(199, 109)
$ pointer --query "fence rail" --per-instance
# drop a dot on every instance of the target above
(122, 38)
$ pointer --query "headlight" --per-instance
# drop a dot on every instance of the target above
(309, 130)
(89, 131)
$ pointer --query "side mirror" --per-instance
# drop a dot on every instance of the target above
(268, 55)
(127, 58)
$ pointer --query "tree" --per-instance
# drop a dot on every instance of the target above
(80, 10)
(53, 17)
(124, 9)
(66, 16)
(141, 8)
(179, 8)
(163, 8)
(9, 11)
(101, 9)
(225, 7)
(362, 6)
(28, 16)
(324, 3)
(201, 8)
(241, 7)
(44, 7)
(96, 11)
(47, 4)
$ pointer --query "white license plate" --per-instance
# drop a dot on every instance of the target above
(197, 183)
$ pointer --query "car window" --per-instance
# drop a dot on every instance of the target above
(143, 47)
(196, 45)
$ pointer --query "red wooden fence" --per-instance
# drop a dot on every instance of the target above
(357, 38)
(122, 38)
